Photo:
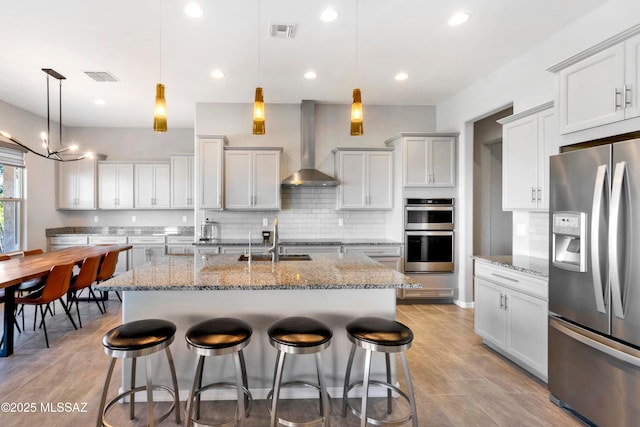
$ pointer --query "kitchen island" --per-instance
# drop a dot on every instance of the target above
(334, 288)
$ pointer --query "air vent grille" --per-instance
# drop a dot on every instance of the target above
(101, 76)
(282, 31)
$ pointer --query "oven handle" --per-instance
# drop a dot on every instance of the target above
(429, 233)
(430, 208)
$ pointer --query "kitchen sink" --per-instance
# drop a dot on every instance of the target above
(267, 257)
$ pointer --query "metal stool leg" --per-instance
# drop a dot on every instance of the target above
(387, 358)
(240, 388)
(174, 379)
(412, 401)
(197, 380)
(325, 406)
(365, 389)
(132, 400)
(152, 421)
(105, 389)
(245, 382)
(347, 377)
(277, 380)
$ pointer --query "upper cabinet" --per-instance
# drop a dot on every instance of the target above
(428, 160)
(366, 178)
(77, 184)
(115, 185)
(600, 85)
(528, 139)
(182, 181)
(151, 183)
(252, 178)
(209, 171)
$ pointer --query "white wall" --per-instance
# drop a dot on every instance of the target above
(525, 83)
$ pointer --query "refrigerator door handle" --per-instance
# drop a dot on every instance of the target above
(591, 340)
(596, 209)
(619, 176)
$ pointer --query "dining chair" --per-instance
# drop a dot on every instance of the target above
(83, 280)
(31, 285)
(55, 287)
(107, 270)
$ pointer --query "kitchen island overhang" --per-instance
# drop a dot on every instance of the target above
(333, 288)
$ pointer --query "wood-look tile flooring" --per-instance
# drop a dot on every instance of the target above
(458, 381)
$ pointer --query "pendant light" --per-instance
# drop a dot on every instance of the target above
(160, 109)
(356, 106)
(258, 103)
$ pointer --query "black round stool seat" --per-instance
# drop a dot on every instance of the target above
(299, 331)
(139, 334)
(380, 331)
(219, 333)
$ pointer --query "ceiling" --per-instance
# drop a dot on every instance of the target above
(141, 41)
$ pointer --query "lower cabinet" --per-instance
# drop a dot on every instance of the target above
(144, 249)
(180, 245)
(511, 315)
(122, 264)
(389, 256)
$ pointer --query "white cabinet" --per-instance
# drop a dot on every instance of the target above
(182, 181)
(529, 138)
(209, 171)
(151, 184)
(389, 256)
(428, 160)
(145, 248)
(366, 178)
(61, 242)
(180, 245)
(252, 178)
(310, 249)
(115, 185)
(77, 184)
(122, 264)
(599, 86)
(511, 315)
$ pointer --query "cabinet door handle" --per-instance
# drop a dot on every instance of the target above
(539, 194)
(616, 93)
(501, 301)
(506, 302)
(533, 195)
(626, 95)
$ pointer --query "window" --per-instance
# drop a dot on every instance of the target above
(11, 184)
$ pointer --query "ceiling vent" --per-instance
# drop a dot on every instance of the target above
(101, 76)
(282, 31)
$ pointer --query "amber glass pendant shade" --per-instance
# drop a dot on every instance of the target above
(356, 114)
(160, 110)
(258, 113)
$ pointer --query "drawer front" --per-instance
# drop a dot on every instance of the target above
(112, 240)
(375, 250)
(69, 240)
(183, 240)
(529, 284)
(146, 240)
(313, 249)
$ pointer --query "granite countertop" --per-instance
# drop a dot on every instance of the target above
(120, 231)
(526, 264)
(225, 272)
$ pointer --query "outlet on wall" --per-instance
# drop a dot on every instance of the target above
(133, 218)
(265, 222)
(184, 218)
(340, 222)
(95, 218)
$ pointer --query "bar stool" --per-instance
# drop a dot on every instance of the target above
(299, 335)
(130, 341)
(217, 337)
(379, 335)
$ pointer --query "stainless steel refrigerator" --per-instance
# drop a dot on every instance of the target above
(594, 283)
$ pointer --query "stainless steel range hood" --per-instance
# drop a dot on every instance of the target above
(308, 176)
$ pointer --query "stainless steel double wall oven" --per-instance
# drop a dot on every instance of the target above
(429, 235)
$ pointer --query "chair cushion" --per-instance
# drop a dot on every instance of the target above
(298, 331)
(139, 334)
(218, 333)
(377, 330)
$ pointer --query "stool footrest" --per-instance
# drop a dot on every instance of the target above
(378, 421)
(137, 390)
(224, 384)
(316, 422)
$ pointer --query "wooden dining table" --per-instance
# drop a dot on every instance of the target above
(22, 268)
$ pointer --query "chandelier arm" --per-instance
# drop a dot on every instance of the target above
(50, 155)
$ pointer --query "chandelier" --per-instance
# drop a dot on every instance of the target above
(60, 153)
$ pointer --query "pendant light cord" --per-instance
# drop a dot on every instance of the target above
(356, 40)
(160, 38)
(259, 43)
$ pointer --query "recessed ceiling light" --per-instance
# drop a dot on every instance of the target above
(329, 15)
(217, 74)
(401, 76)
(193, 11)
(99, 101)
(310, 75)
(459, 18)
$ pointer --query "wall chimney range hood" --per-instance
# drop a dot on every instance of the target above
(308, 176)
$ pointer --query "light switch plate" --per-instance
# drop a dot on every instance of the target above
(521, 230)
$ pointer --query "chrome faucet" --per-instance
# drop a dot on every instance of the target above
(275, 252)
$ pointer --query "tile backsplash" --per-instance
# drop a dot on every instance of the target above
(306, 212)
(531, 234)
